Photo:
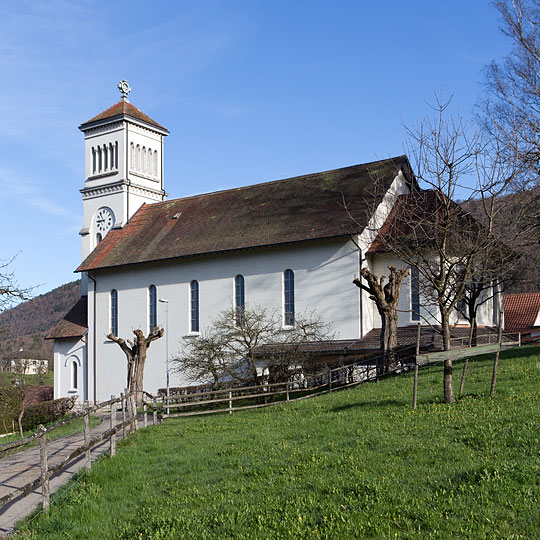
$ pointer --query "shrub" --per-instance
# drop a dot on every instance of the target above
(46, 412)
(11, 400)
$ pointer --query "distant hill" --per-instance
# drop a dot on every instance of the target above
(25, 325)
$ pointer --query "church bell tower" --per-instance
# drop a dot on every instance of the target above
(123, 168)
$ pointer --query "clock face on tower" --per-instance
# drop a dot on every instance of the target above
(104, 221)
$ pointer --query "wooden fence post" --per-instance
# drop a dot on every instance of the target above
(415, 382)
(145, 415)
(463, 374)
(86, 419)
(154, 412)
(287, 388)
(329, 379)
(113, 425)
(45, 491)
(496, 361)
(123, 405)
(230, 402)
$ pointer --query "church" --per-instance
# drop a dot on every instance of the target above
(293, 245)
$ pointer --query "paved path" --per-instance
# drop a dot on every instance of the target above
(21, 468)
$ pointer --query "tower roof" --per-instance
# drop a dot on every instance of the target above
(122, 108)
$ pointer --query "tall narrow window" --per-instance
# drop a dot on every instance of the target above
(132, 156)
(143, 159)
(116, 155)
(239, 297)
(152, 307)
(74, 381)
(105, 158)
(138, 159)
(100, 159)
(94, 161)
(288, 298)
(114, 312)
(155, 163)
(415, 294)
(194, 305)
(99, 238)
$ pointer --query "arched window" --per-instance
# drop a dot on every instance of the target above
(288, 298)
(138, 159)
(116, 155)
(415, 294)
(93, 160)
(155, 163)
(114, 312)
(111, 156)
(105, 158)
(132, 156)
(100, 159)
(152, 307)
(194, 306)
(239, 297)
(143, 159)
(74, 378)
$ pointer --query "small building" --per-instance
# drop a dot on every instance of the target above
(522, 314)
(25, 362)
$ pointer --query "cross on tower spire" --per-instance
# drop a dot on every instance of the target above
(125, 89)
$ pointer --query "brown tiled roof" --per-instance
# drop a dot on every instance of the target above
(414, 217)
(430, 339)
(284, 211)
(74, 324)
(521, 311)
(123, 107)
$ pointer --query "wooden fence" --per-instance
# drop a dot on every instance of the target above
(127, 425)
(236, 398)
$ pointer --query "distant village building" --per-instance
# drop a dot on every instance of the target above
(24, 363)
(288, 245)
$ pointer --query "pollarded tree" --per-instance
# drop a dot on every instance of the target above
(386, 299)
(136, 352)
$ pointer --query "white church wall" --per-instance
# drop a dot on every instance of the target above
(371, 318)
(323, 274)
(67, 351)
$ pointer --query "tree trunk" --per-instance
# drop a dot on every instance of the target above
(389, 339)
(19, 421)
(474, 330)
(136, 358)
(447, 378)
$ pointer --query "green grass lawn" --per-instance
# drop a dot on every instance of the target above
(30, 380)
(357, 463)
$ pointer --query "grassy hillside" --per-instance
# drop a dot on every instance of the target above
(352, 464)
(25, 325)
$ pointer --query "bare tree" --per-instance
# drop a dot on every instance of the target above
(136, 352)
(230, 347)
(512, 103)
(386, 298)
(203, 359)
(430, 232)
(10, 290)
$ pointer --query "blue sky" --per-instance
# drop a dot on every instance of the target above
(250, 91)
